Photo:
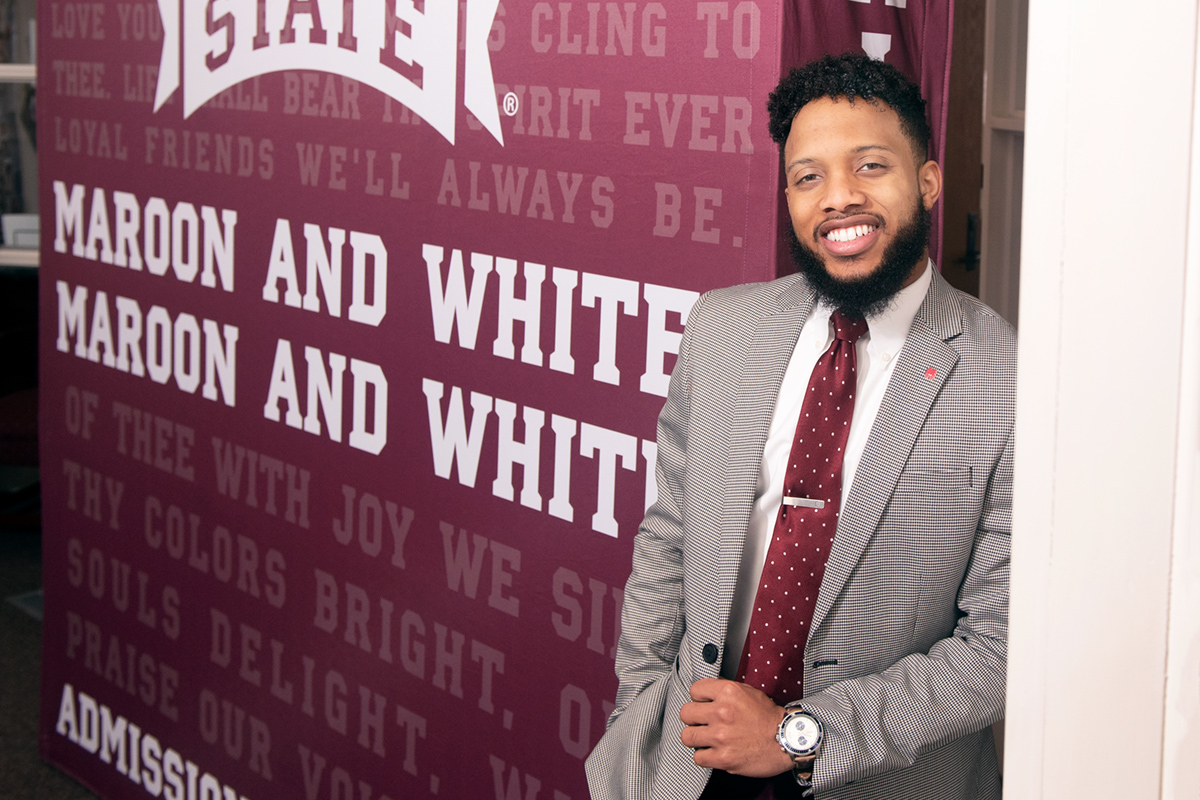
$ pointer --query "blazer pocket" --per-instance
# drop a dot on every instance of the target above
(937, 480)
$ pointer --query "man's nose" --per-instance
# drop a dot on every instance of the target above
(842, 192)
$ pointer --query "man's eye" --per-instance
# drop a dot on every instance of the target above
(872, 165)
(808, 178)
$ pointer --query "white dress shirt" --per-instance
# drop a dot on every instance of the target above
(877, 353)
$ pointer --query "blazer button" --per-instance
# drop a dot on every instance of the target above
(710, 653)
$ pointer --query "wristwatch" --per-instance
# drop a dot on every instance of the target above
(800, 735)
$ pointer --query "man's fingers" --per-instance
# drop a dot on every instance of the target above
(705, 689)
(691, 736)
(713, 757)
(703, 739)
(703, 758)
(696, 713)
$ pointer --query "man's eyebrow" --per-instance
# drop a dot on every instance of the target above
(864, 148)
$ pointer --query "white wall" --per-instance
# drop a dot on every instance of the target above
(1104, 666)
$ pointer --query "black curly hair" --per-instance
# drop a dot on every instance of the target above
(850, 75)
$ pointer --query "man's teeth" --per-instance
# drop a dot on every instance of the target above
(849, 234)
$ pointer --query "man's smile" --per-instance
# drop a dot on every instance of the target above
(849, 236)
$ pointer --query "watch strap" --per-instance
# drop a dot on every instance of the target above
(802, 772)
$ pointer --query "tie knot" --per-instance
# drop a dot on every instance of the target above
(847, 328)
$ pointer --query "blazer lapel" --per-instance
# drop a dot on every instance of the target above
(774, 339)
(925, 364)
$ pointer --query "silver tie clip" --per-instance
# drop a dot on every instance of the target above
(803, 502)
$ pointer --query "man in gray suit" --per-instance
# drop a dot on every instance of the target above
(897, 669)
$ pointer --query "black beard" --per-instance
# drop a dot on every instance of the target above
(873, 292)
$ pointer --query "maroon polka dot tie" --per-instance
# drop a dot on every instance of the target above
(773, 658)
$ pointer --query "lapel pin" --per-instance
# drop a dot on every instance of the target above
(930, 373)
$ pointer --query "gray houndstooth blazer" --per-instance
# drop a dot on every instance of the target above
(905, 663)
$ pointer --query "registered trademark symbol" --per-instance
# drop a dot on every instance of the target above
(510, 104)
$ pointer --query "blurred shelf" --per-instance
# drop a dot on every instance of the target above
(18, 257)
(18, 73)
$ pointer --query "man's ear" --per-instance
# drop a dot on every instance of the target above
(929, 181)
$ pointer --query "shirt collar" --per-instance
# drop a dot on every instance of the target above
(888, 329)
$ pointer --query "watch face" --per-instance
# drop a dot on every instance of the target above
(801, 734)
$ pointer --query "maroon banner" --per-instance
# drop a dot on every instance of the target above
(356, 320)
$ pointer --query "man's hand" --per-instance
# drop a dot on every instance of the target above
(732, 727)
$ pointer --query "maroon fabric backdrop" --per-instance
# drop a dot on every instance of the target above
(355, 323)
